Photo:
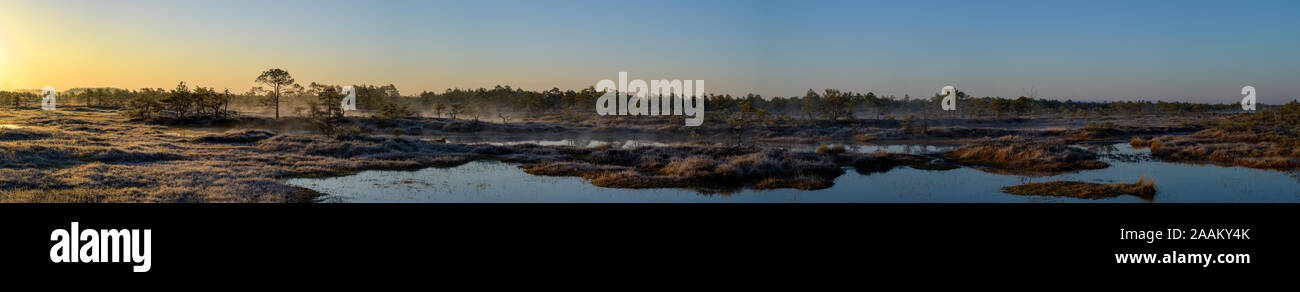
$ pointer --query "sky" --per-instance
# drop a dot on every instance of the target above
(1200, 51)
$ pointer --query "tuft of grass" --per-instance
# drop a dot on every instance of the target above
(1156, 146)
(635, 180)
(1138, 142)
(1143, 188)
(1096, 131)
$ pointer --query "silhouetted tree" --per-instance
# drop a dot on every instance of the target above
(278, 79)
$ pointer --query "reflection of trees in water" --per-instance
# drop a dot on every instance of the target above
(1100, 148)
(873, 170)
(919, 148)
(1024, 179)
(1128, 157)
(1112, 152)
(915, 148)
(617, 142)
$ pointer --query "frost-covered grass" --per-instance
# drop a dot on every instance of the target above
(90, 155)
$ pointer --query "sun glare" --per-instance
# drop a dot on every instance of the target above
(6, 49)
(4, 63)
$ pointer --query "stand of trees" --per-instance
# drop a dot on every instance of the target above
(181, 103)
(18, 99)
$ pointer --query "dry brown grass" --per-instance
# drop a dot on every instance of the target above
(1026, 157)
(1268, 139)
(1142, 188)
(1226, 148)
(697, 166)
(100, 156)
(1138, 142)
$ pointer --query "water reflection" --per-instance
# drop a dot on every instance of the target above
(616, 141)
(912, 148)
(628, 142)
(490, 181)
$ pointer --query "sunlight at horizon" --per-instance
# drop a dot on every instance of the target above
(1198, 51)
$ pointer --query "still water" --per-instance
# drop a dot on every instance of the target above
(491, 181)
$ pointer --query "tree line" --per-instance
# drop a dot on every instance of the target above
(276, 87)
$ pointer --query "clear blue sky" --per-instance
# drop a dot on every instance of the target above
(1170, 50)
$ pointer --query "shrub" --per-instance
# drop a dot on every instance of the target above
(389, 112)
